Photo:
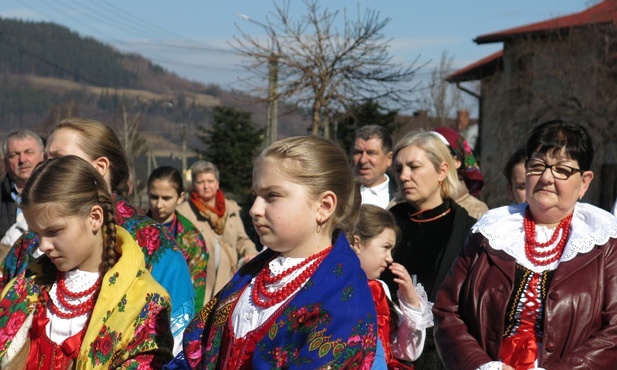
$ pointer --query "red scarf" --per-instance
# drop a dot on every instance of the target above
(216, 215)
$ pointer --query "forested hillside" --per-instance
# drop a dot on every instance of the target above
(47, 68)
(49, 50)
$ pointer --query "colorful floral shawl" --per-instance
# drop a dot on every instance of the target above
(165, 262)
(193, 247)
(470, 171)
(330, 323)
(129, 326)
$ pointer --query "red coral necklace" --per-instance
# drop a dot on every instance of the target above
(265, 277)
(62, 292)
(532, 246)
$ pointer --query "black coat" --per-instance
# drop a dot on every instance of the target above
(8, 207)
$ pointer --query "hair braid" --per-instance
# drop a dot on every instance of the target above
(110, 250)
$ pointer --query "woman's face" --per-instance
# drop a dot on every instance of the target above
(550, 199)
(206, 185)
(418, 179)
(163, 198)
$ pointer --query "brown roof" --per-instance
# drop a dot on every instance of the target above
(475, 71)
(603, 12)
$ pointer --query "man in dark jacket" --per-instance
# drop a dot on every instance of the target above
(22, 150)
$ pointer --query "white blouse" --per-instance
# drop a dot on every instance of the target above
(247, 316)
(58, 329)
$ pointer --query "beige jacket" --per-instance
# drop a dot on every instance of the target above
(475, 207)
(227, 249)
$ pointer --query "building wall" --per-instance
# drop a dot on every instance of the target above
(567, 77)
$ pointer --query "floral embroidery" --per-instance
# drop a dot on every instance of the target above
(304, 319)
(214, 344)
(113, 278)
(147, 326)
(284, 357)
(193, 248)
(148, 237)
(13, 312)
(102, 346)
(359, 352)
(123, 211)
(347, 293)
(122, 304)
(338, 270)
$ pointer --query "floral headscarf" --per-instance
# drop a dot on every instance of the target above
(469, 171)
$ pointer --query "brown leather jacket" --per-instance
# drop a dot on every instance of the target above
(580, 324)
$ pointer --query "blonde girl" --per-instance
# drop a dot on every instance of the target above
(88, 302)
(304, 301)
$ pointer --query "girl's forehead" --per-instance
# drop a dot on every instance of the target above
(43, 212)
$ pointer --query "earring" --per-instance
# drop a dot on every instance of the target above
(440, 183)
(319, 225)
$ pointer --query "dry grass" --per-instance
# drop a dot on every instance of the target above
(61, 85)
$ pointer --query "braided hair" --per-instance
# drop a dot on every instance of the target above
(47, 187)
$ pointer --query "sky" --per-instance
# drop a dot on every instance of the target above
(192, 37)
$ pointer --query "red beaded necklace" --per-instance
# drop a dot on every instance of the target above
(62, 292)
(265, 277)
(532, 246)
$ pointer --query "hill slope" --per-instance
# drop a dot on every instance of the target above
(45, 67)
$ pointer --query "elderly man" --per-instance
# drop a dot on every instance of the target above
(372, 155)
(23, 150)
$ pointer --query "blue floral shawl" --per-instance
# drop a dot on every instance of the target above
(330, 323)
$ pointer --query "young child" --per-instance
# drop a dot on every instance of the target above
(401, 329)
(304, 301)
(165, 192)
(89, 302)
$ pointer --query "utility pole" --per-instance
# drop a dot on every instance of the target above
(272, 109)
(183, 149)
(272, 115)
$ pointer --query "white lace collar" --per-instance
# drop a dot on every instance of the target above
(503, 227)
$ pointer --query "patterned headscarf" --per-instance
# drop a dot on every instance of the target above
(469, 171)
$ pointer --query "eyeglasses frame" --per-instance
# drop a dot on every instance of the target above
(550, 167)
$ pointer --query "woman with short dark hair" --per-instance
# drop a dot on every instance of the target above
(534, 286)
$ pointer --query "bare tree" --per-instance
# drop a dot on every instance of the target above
(59, 112)
(134, 145)
(323, 69)
(442, 96)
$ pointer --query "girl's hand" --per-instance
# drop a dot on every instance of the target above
(405, 285)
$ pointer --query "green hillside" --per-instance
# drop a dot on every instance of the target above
(46, 49)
